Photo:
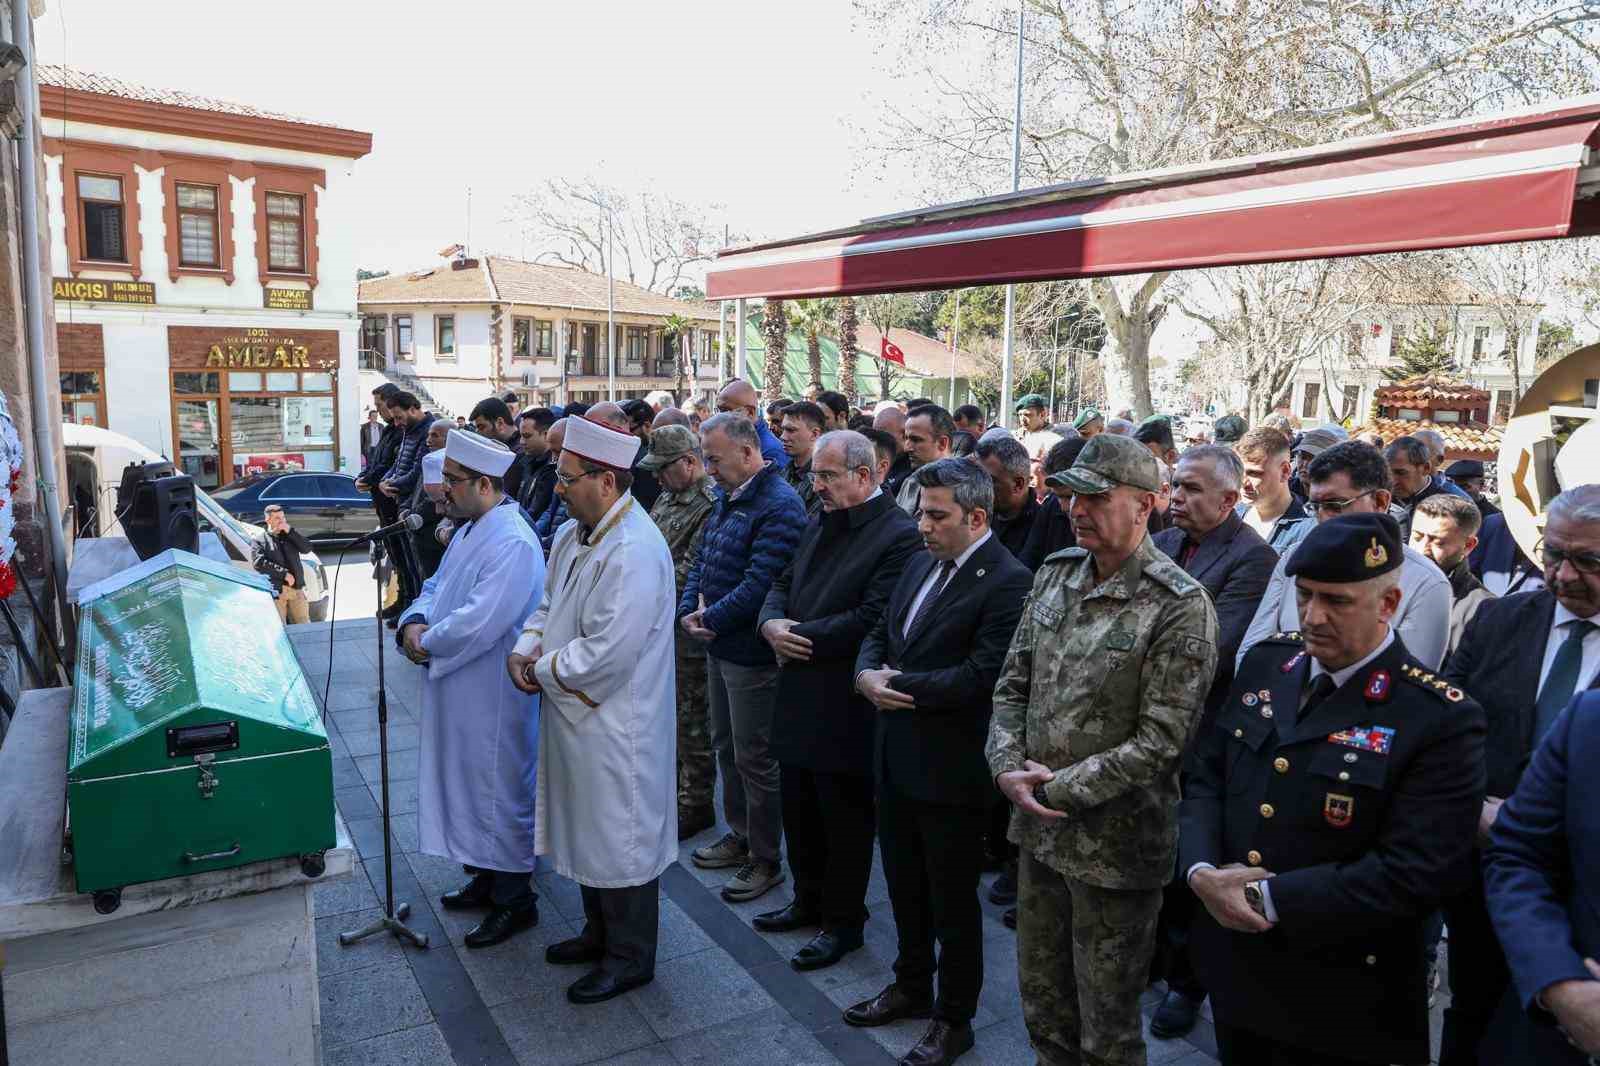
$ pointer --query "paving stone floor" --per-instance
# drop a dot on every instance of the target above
(723, 992)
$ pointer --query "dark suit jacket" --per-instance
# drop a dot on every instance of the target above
(836, 587)
(949, 664)
(1542, 877)
(1364, 837)
(1235, 565)
(1498, 664)
(1052, 531)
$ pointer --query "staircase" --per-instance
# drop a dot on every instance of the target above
(404, 378)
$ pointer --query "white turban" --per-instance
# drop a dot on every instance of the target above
(433, 468)
(600, 444)
(478, 454)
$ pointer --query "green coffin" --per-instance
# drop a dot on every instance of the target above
(195, 741)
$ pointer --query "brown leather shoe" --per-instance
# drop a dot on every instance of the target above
(890, 1005)
(942, 1044)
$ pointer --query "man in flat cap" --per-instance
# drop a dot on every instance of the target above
(687, 494)
(1469, 476)
(599, 648)
(479, 736)
(1033, 414)
(1330, 808)
(1097, 698)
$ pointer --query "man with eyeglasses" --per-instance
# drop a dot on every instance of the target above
(680, 513)
(1523, 656)
(1352, 478)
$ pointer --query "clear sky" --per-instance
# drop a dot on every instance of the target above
(751, 105)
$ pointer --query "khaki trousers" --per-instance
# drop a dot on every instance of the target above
(292, 606)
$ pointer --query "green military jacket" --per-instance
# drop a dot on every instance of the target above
(1104, 684)
(681, 516)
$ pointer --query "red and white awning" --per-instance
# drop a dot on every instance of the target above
(1512, 177)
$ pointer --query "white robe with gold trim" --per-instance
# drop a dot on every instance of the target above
(606, 812)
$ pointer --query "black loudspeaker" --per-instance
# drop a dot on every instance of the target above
(157, 508)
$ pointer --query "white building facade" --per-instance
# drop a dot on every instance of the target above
(205, 289)
(474, 327)
(1351, 368)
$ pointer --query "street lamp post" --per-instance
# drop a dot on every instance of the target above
(1011, 290)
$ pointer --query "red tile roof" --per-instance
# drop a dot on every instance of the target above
(105, 85)
(1462, 440)
(497, 279)
(1430, 392)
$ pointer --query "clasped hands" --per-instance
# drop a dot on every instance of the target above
(520, 667)
(694, 624)
(1222, 892)
(411, 642)
(788, 645)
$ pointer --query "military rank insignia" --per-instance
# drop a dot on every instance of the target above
(1339, 811)
(1375, 738)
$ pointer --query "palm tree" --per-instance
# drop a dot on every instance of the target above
(678, 329)
(847, 347)
(775, 333)
(814, 318)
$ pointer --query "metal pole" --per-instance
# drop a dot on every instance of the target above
(43, 416)
(740, 354)
(955, 342)
(1011, 290)
(722, 341)
(1055, 361)
(611, 300)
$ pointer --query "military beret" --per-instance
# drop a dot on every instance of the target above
(1351, 547)
(1085, 416)
(1109, 460)
(1229, 429)
(1464, 468)
(1157, 429)
(1033, 399)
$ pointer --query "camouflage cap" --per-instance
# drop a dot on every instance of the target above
(669, 444)
(1109, 460)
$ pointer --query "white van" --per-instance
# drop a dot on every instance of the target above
(95, 460)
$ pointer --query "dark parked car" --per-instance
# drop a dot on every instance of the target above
(322, 506)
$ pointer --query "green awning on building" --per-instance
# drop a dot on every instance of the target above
(797, 374)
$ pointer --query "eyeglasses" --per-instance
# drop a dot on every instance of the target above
(828, 477)
(1584, 563)
(573, 479)
(455, 479)
(1336, 506)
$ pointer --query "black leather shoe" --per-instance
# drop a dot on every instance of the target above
(502, 924)
(1175, 1017)
(1004, 890)
(890, 1005)
(796, 915)
(473, 895)
(1009, 918)
(571, 952)
(599, 986)
(943, 1043)
(825, 949)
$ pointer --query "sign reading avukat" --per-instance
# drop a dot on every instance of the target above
(258, 348)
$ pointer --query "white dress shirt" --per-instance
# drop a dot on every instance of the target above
(1558, 636)
(933, 576)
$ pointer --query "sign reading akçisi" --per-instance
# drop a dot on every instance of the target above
(103, 290)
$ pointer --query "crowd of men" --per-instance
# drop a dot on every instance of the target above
(1266, 716)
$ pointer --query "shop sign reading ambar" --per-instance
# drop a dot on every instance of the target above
(252, 349)
(101, 290)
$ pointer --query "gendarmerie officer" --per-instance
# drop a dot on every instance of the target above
(1331, 808)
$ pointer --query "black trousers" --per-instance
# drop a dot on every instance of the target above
(1241, 1047)
(625, 922)
(932, 856)
(401, 553)
(507, 888)
(1478, 975)
(828, 822)
(1172, 962)
(997, 848)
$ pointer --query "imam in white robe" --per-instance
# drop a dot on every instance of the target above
(607, 808)
(479, 735)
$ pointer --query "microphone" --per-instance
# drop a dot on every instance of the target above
(409, 524)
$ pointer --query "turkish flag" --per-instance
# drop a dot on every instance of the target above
(893, 353)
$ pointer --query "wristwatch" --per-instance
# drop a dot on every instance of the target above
(1252, 896)
(1040, 798)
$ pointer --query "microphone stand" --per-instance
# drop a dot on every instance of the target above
(393, 919)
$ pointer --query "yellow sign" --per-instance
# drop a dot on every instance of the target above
(100, 290)
(257, 348)
(288, 299)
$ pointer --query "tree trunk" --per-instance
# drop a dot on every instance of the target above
(813, 358)
(847, 347)
(775, 332)
(1125, 358)
(680, 367)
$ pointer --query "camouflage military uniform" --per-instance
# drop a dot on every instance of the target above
(1103, 684)
(799, 479)
(681, 516)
